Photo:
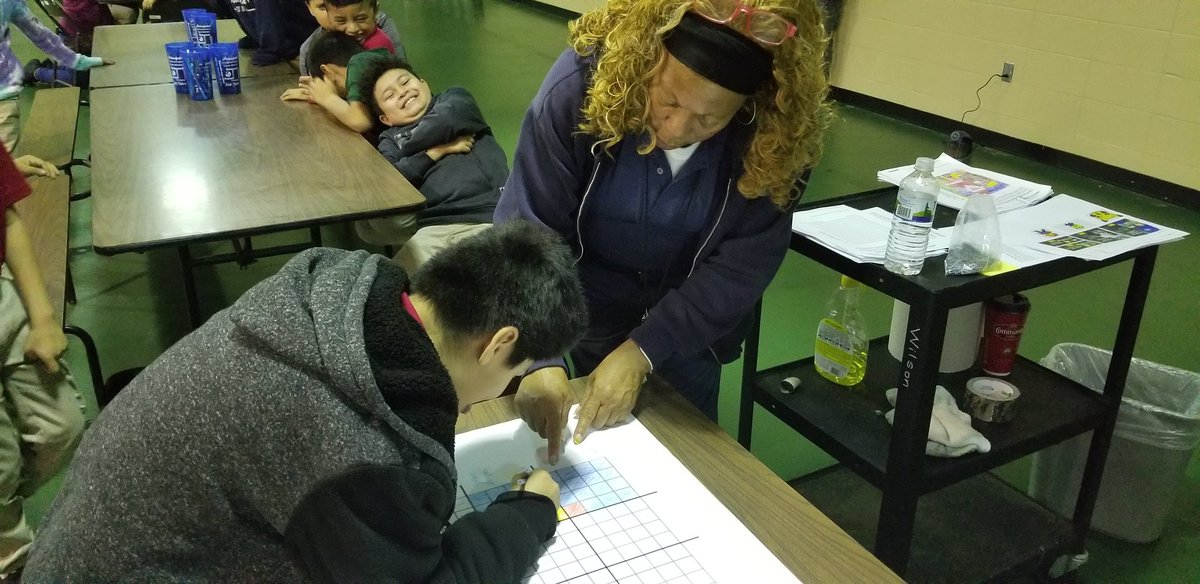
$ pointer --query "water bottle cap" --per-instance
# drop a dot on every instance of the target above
(848, 282)
(925, 164)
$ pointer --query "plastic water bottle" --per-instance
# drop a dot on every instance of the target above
(841, 349)
(915, 206)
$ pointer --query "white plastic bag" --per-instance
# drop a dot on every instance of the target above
(975, 240)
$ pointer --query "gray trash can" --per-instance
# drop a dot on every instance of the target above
(1158, 428)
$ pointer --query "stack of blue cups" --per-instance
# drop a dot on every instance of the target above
(194, 62)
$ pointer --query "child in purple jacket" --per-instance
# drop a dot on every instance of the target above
(12, 74)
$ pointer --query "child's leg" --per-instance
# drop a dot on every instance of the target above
(430, 240)
(41, 420)
(15, 534)
(394, 230)
(10, 123)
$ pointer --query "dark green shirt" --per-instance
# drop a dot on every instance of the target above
(354, 70)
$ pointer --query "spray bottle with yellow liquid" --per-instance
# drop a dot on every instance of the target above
(841, 349)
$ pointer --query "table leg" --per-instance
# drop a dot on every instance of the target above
(189, 287)
(749, 369)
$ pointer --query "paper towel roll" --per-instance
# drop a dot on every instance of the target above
(961, 343)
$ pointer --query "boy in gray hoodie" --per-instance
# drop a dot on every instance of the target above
(307, 431)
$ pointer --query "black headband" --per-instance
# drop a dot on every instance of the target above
(720, 54)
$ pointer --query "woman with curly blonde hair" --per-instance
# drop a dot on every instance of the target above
(667, 146)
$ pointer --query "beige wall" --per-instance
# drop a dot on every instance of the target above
(578, 6)
(1116, 81)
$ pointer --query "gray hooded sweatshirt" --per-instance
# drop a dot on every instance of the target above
(304, 433)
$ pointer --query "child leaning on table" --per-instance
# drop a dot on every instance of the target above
(443, 146)
(335, 62)
(12, 74)
(358, 19)
(42, 420)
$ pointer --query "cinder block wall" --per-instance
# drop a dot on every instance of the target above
(1117, 81)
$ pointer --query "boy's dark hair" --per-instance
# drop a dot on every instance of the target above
(341, 3)
(517, 274)
(370, 76)
(330, 48)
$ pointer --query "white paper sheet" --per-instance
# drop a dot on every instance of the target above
(860, 235)
(631, 511)
(1065, 226)
(960, 181)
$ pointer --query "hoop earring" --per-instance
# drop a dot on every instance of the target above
(753, 113)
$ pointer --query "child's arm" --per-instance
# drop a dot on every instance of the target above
(46, 341)
(48, 42)
(353, 114)
(414, 166)
(335, 534)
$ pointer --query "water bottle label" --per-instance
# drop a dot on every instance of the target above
(914, 209)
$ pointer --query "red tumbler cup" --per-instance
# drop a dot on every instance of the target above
(1003, 323)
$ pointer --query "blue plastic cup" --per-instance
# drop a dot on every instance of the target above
(229, 74)
(175, 63)
(203, 29)
(197, 67)
(187, 15)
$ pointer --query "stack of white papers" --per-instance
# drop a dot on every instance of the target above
(960, 181)
(1063, 226)
(1066, 226)
(860, 235)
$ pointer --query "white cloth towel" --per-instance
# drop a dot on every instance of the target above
(950, 431)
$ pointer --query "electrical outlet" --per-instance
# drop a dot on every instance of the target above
(1006, 74)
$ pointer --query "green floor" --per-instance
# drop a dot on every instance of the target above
(132, 304)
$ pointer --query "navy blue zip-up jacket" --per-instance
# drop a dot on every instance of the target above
(554, 168)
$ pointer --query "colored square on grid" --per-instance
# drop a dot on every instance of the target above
(607, 499)
(590, 504)
(600, 487)
(572, 509)
(479, 500)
